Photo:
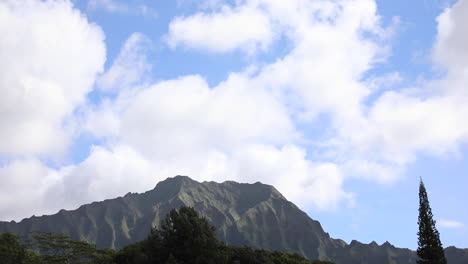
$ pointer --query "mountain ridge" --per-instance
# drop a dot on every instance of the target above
(256, 215)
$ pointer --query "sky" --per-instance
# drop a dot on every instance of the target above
(341, 105)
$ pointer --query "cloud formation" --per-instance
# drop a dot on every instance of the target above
(244, 27)
(253, 126)
(50, 57)
(245, 128)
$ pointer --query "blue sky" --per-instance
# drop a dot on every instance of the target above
(341, 105)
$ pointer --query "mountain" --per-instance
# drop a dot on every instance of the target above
(244, 214)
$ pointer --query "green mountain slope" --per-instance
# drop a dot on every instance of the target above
(244, 214)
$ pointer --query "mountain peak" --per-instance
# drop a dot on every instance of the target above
(177, 180)
(387, 244)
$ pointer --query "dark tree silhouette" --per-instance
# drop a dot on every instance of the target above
(11, 251)
(189, 237)
(430, 249)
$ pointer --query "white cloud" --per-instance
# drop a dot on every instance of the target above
(50, 56)
(29, 187)
(110, 173)
(428, 118)
(24, 183)
(102, 121)
(399, 126)
(309, 184)
(450, 47)
(246, 128)
(450, 224)
(105, 174)
(246, 28)
(113, 6)
(130, 67)
(185, 116)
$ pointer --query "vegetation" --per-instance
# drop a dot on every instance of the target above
(183, 238)
(47, 248)
(11, 251)
(430, 249)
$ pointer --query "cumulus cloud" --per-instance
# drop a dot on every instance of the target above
(426, 119)
(245, 128)
(375, 141)
(398, 127)
(450, 47)
(248, 127)
(24, 184)
(244, 27)
(310, 184)
(108, 173)
(105, 173)
(185, 114)
(50, 57)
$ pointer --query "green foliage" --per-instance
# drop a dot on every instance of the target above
(59, 248)
(11, 250)
(430, 249)
(47, 248)
(184, 237)
(187, 238)
(247, 255)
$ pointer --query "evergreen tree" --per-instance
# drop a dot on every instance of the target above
(430, 249)
(189, 237)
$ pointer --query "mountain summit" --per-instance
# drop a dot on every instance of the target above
(256, 215)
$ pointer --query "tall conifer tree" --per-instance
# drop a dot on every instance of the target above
(430, 249)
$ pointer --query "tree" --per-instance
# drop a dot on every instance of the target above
(11, 250)
(430, 249)
(189, 237)
(59, 248)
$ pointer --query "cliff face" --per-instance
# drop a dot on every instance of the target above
(244, 214)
